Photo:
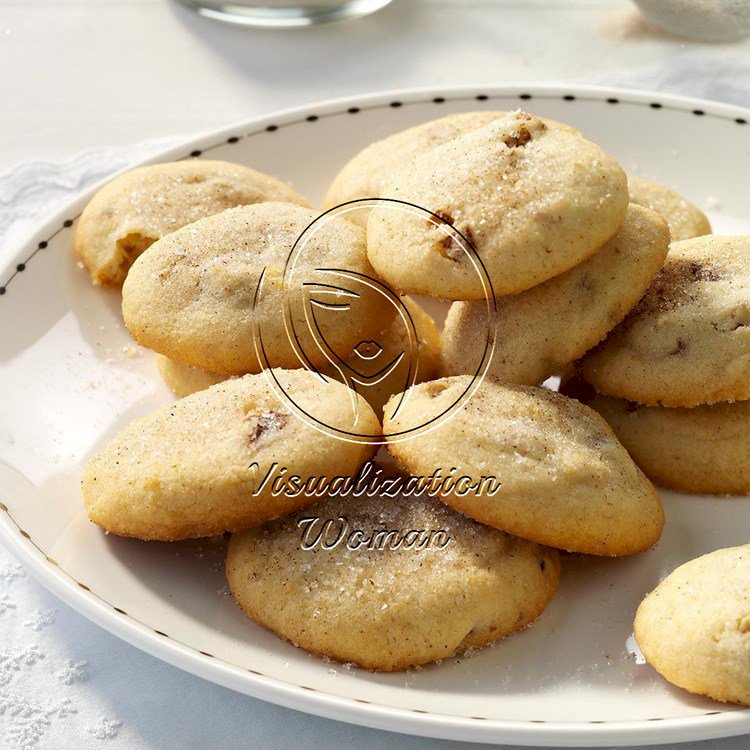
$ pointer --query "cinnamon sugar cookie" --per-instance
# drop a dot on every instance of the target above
(683, 218)
(366, 174)
(184, 380)
(701, 450)
(532, 200)
(409, 581)
(201, 294)
(687, 342)
(565, 479)
(139, 207)
(694, 627)
(196, 467)
(543, 329)
(420, 363)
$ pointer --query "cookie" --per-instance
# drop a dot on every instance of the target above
(543, 329)
(366, 174)
(139, 207)
(390, 345)
(694, 627)
(565, 480)
(201, 294)
(184, 379)
(410, 581)
(687, 342)
(683, 218)
(532, 200)
(197, 466)
(701, 450)
(394, 360)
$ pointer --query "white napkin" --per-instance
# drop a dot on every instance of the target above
(31, 191)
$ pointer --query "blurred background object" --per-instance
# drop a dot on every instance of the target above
(113, 72)
(283, 13)
(702, 20)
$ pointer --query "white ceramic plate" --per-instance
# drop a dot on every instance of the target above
(70, 379)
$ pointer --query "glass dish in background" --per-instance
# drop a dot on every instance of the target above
(283, 13)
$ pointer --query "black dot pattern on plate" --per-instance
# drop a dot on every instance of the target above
(192, 648)
(525, 96)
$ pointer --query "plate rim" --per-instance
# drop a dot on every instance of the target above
(720, 723)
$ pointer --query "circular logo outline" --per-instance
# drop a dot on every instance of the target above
(299, 244)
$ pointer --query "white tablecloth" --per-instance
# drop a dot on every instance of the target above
(65, 683)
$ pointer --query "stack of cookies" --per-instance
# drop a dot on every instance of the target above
(547, 254)
(672, 379)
